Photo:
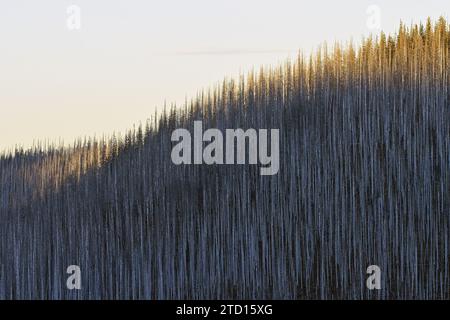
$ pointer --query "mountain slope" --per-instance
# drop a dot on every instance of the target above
(363, 180)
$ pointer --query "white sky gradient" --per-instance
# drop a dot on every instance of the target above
(132, 55)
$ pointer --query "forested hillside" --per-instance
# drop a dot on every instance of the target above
(364, 180)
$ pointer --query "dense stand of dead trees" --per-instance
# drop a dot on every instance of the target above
(364, 180)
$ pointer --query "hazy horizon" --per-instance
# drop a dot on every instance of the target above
(128, 58)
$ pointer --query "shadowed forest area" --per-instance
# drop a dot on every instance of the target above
(364, 180)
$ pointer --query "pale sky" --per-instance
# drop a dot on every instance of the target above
(132, 55)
